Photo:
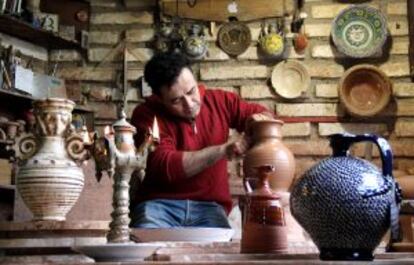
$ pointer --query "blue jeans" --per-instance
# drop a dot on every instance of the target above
(162, 213)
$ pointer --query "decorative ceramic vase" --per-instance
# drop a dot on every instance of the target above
(49, 178)
(268, 149)
(345, 203)
(264, 226)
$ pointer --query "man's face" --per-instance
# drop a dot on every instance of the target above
(183, 97)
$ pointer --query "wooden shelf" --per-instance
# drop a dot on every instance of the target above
(17, 28)
(22, 100)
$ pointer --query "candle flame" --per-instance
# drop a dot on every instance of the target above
(107, 130)
(155, 129)
(85, 135)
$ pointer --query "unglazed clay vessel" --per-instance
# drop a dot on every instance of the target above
(268, 149)
(264, 225)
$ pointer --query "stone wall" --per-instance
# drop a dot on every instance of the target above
(249, 76)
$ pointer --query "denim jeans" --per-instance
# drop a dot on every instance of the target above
(163, 213)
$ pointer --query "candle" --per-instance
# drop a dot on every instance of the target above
(85, 135)
(108, 132)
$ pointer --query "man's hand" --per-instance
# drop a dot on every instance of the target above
(236, 146)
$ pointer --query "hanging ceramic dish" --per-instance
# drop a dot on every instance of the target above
(195, 46)
(234, 38)
(359, 31)
(364, 90)
(271, 42)
(290, 79)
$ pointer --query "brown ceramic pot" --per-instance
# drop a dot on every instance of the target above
(407, 186)
(264, 225)
(268, 149)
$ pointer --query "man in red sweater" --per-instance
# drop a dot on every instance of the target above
(186, 181)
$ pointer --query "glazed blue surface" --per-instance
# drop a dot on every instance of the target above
(345, 202)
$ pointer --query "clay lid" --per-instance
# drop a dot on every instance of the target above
(364, 90)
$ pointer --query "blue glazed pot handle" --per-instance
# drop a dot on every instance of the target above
(340, 144)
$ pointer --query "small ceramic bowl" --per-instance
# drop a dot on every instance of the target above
(364, 90)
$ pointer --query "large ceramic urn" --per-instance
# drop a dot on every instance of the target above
(49, 178)
(268, 149)
(345, 203)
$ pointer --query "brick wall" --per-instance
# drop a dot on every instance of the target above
(249, 76)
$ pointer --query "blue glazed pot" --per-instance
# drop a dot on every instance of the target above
(345, 203)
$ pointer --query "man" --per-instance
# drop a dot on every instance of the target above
(186, 182)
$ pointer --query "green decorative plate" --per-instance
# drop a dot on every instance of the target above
(359, 31)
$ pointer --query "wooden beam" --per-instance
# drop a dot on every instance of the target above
(410, 12)
(221, 10)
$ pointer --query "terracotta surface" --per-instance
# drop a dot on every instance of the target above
(268, 149)
(264, 225)
(406, 183)
(364, 90)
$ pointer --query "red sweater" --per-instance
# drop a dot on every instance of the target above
(165, 177)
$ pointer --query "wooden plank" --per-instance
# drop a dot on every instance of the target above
(23, 30)
(221, 10)
(410, 10)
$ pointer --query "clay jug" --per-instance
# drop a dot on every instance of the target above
(345, 203)
(264, 227)
(268, 149)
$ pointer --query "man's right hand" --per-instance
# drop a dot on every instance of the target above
(236, 146)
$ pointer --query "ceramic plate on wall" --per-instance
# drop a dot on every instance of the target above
(364, 90)
(359, 31)
(234, 38)
(182, 234)
(290, 79)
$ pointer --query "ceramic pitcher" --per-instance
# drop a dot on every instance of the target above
(268, 149)
(345, 203)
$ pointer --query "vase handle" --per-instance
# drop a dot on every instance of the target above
(24, 146)
(340, 144)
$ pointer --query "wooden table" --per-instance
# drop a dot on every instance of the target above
(227, 253)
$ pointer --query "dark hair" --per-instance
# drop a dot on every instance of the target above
(163, 70)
